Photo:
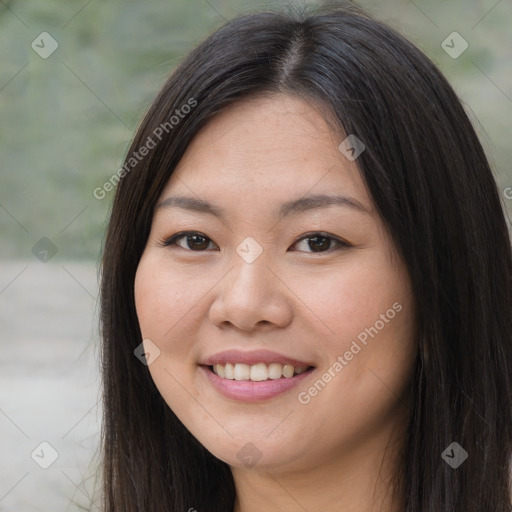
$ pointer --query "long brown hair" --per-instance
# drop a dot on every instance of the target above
(431, 184)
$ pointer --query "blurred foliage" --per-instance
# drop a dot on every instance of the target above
(66, 121)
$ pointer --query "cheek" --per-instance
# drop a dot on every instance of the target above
(165, 299)
(348, 300)
(367, 354)
(166, 303)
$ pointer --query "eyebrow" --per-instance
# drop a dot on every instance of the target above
(302, 204)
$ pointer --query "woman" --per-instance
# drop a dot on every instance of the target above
(306, 283)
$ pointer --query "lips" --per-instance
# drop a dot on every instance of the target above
(250, 391)
(252, 375)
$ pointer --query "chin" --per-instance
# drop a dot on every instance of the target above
(258, 455)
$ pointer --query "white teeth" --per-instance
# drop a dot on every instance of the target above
(229, 371)
(288, 370)
(257, 372)
(242, 371)
(275, 370)
(219, 370)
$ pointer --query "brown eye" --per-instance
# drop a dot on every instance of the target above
(321, 242)
(197, 242)
(193, 241)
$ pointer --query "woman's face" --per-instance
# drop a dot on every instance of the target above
(275, 280)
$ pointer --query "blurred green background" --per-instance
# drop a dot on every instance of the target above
(66, 120)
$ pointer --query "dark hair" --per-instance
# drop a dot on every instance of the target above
(432, 185)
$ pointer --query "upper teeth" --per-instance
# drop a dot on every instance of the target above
(256, 372)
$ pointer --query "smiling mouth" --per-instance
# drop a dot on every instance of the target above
(257, 372)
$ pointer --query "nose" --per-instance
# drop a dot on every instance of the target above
(251, 296)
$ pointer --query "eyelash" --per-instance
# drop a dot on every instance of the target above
(341, 244)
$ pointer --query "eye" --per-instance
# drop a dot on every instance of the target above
(194, 240)
(199, 242)
(321, 242)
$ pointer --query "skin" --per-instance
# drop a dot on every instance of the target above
(337, 452)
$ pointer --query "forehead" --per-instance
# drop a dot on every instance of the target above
(266, 149)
